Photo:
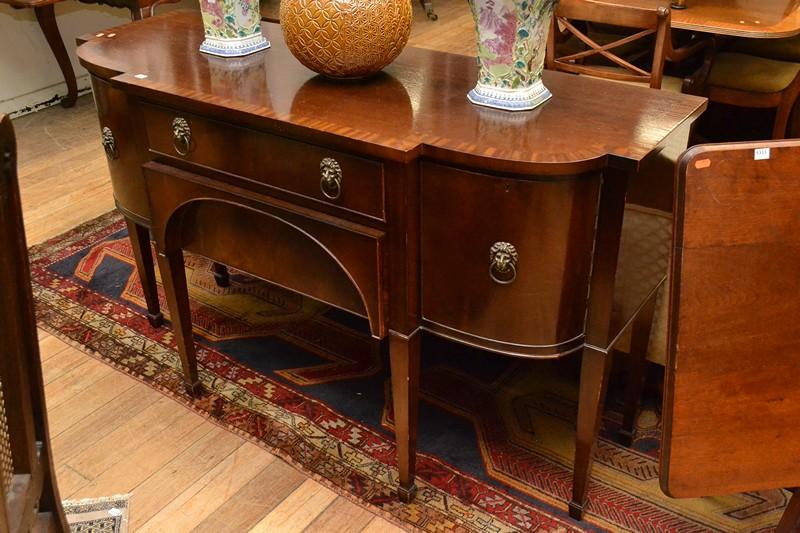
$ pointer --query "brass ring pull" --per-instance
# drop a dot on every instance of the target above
(331, 178)
(503, 267)
(109, 143)
(181, 136)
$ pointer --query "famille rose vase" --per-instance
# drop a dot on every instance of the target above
(232, 27)
(512, 41)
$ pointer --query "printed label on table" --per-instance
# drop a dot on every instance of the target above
(762, 153)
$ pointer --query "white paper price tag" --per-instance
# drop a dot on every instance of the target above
(761, 154)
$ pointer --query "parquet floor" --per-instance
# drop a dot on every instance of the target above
(112, 434)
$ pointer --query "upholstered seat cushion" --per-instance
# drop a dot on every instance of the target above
(781, 49)
(752, 74)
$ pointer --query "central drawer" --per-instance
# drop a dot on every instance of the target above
(506, 262)
(323, 175)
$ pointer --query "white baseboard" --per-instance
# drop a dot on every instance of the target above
(41, 98)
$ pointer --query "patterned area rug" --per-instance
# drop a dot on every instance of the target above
(100, 515)
(306, 382)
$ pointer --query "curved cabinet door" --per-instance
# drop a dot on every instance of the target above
(125, 157)
(506, 262)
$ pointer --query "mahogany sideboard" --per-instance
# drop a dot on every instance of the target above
(393, 198)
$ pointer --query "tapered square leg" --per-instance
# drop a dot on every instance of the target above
(790, 521)
(140, 241)
(595, 370)
(173, 276)
(405, 356)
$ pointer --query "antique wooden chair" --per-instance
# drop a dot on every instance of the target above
(653, 24)
(29, 499)
(786, 49)
(745, 80)
(732, 404)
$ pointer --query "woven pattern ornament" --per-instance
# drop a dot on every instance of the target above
(346, 38)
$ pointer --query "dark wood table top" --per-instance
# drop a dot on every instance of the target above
(418, 106)
(761, 19)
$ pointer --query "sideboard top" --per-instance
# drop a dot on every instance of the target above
(417, 106)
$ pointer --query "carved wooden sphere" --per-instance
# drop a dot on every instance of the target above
(346, 38)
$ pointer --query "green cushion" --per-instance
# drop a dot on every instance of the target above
(752, 74)
(782, 49)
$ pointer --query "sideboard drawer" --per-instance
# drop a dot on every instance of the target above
(506, 259)
(324, 175)
(124, 151)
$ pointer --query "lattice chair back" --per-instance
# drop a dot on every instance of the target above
(652, 23)
(28, 495)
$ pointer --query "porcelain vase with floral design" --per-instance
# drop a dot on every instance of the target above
(512, 41)
(232, 27)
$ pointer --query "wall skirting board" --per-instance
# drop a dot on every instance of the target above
(41, 98)
(29, 75)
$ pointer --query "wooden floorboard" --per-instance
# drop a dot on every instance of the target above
(111, 433)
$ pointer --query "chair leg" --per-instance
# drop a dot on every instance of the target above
(173, 276)
(428, 6)
(595, 369)
(640, 339)
(221, 275)
(140, 242)
(790, 521)
(782, 115)
(46, 17)
(405, 355)
(794, 121)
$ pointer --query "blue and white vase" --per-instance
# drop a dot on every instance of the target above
(232, 27)
(512, 43)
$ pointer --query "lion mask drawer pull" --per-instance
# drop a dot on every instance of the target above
(109, 143)
(503, 266)
(331, 178)
(181, 136)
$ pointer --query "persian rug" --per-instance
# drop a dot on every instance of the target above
(98, 515)
(496, 435)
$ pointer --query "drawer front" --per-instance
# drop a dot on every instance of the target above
(327, 176)
(331, 260)
(124, 155)
(506, 260)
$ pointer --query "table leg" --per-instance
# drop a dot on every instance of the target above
(405, 355)
(140, 241)
(595, 370)
(596, 363)
(173, 276)
(47, 22)
(790, 521)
